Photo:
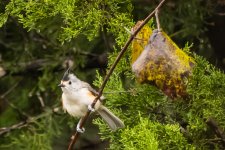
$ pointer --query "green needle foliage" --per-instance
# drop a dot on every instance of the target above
(39, 37)
(155, 122)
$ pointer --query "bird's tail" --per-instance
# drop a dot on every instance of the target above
(113, 121)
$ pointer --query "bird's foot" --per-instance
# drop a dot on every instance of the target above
(91, 108)
(80, 130)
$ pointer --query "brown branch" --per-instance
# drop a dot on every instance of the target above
(215, 127)
(84, 119)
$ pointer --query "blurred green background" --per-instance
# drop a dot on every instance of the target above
(40, 39)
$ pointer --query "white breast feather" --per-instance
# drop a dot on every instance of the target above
(76, 103)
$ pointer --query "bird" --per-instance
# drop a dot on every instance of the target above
(77, 97)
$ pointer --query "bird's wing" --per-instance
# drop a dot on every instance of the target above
(93, 91)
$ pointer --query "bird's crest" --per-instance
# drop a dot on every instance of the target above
(66, 75)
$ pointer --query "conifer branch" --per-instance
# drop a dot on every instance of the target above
(9, 90)
(84, 119)
(19, 125)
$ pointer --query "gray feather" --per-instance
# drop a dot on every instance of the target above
(66, 75)
(113, 121)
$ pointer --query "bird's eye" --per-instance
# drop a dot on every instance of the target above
(70, 82)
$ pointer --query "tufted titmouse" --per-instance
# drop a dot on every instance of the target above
(77, 98)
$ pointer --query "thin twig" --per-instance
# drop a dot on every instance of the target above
(84, 119)
(128, 31)
(157, 20)
(29, 120)
(10, 90)
(19, 111)
(3, 96)
(19, 125)
(40, 99)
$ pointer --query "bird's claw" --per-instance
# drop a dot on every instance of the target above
(91, 108)
(80, 130)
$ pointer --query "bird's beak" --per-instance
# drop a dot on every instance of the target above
(61, 85)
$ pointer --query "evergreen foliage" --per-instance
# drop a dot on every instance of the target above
(48, 33)
(164, 119)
